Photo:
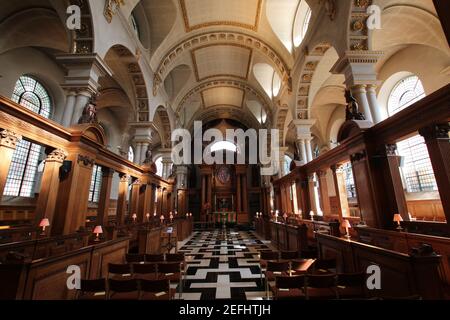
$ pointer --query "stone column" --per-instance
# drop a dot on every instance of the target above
(137, 158)
(375, 109)
(68, 109)
(81, 101)
(360, 94)
(301, 145)
(48, 194)
(8, 144)
(105, 196)
(309, 153)
(144, 149)
(122, 199)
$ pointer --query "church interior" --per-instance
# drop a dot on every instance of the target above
(353, 97)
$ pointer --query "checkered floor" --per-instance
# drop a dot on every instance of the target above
(223, 266)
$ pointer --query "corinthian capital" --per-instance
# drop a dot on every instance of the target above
(57, 155)
(9, 139)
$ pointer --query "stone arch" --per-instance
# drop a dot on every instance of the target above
(307, 70)
(225, 83)
(165, 127)
(168, 61)
(136, 76)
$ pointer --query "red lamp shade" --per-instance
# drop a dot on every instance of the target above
(398, 218)
(98, 230)
(44, 223)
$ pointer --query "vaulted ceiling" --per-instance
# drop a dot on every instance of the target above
(206, 62)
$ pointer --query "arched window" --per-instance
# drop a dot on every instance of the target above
(417, 171)
(22, 173)
(135, 25)
(287, 164)
(301, 23)
(406, 92)
(159, 166)
(32, 95)
(130, 154)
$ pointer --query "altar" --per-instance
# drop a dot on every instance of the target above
(224, 217)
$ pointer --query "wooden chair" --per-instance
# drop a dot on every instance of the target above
(156, 290)
(351, 286)
(325, 266)
(156, 258)
(321, 287)
(274, 269)
(134, 258)
(264, 257)
(92, 290)
(123, 289)
(180, 258)
(289, 288)
(147, 271)
(119, 271)
(172, 272)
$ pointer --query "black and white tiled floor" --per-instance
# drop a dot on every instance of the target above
(223, 268)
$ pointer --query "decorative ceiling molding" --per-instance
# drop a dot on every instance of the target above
(188, 27)
(225, 112)
(83, 39)
(222, 104)
(225, 83)
(310, 64)
(358, 33)
(137, 77)
(111, 7)
(218, 38)
(196, 70)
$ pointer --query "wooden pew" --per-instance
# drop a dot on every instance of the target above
(405, 242)
(46, 279)
(402, 275)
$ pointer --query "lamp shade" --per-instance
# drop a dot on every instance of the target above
(134, 216)
(44, 223)
(162, 217)
(98, 230)
(398, 218)
(345, 224)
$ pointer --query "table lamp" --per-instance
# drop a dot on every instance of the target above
(134, 216)
(346, 225)
(148, 217)
(398, 218)
(97, 231)
(171, 217)
(311, 213)
(43, 224)
(162, 219)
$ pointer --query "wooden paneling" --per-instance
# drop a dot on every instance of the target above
(428, 210)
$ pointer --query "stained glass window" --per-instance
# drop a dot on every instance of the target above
(22, 172)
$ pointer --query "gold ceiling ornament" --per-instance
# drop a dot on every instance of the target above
(111, 7)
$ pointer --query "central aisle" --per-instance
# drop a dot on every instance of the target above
(223, 269)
